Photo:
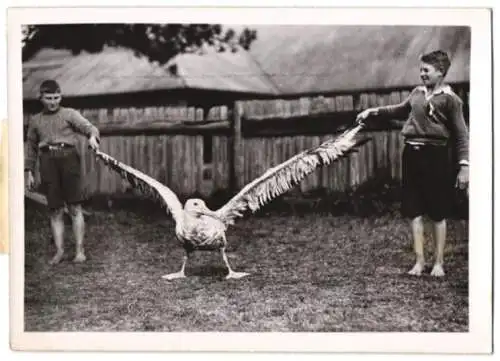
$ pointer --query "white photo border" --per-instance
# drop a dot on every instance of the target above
(479, 337)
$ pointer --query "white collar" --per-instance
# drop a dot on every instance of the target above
(443, 89)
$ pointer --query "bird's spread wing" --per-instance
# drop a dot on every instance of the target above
(145, 184)
(287, 175)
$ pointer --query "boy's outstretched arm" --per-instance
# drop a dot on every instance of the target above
(84, 126)
(400, 110)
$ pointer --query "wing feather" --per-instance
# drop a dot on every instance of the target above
(281, 178)
(145, 184)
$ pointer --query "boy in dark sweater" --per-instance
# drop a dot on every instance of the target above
(435, 122)
(52, 135)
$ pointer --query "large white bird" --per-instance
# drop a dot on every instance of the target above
(199, 228)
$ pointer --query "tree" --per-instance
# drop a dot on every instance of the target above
(159, 42)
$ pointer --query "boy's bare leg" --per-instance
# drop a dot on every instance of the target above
(57, 226)
(417, 227)
(439, 234)
(78, 223)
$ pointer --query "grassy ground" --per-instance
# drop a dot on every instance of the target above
(316, 272)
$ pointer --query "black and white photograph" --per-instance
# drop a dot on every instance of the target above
(250, 178)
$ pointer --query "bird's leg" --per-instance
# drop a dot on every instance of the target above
(180, 274)
(231, 273)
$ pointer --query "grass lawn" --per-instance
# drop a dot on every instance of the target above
(316, 272)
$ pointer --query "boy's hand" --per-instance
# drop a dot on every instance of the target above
(30, 181)
(93, 143)
(365, 114)
(463, 177)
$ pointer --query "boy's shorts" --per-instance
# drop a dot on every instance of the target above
(60, 175)
(428, 181)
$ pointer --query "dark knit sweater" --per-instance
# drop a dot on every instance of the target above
(62, 126)
(436, 116)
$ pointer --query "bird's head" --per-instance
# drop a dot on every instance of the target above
(194, 204)
(197, 207)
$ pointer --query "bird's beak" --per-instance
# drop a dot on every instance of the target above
(207, 212)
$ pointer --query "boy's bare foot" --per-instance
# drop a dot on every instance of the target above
(80, 257)
(437, 270)
(417, 269)
(57, 258)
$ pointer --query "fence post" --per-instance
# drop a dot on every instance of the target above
(237, 159)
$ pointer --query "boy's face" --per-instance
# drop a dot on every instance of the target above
(429, 74)
(51, 101)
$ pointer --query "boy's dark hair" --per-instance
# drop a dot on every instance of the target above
(439, 59)
(50, 86)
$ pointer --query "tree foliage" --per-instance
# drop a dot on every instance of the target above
(159, 42)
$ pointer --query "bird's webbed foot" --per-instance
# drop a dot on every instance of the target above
(236, 275)
(173, 276)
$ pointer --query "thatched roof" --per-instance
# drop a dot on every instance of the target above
(112, 71)
(302, 59)
(283, 60)
(116, 71)
(236, 72)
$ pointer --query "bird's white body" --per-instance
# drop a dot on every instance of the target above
(202, 232)
(199, 228)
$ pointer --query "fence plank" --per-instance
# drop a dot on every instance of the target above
(218, 160)
(237, 159)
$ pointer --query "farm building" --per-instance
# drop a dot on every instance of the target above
(205, 123)
(347, 59)
(117, 78)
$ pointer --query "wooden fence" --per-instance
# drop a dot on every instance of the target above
(150, 115)
(192, 152)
